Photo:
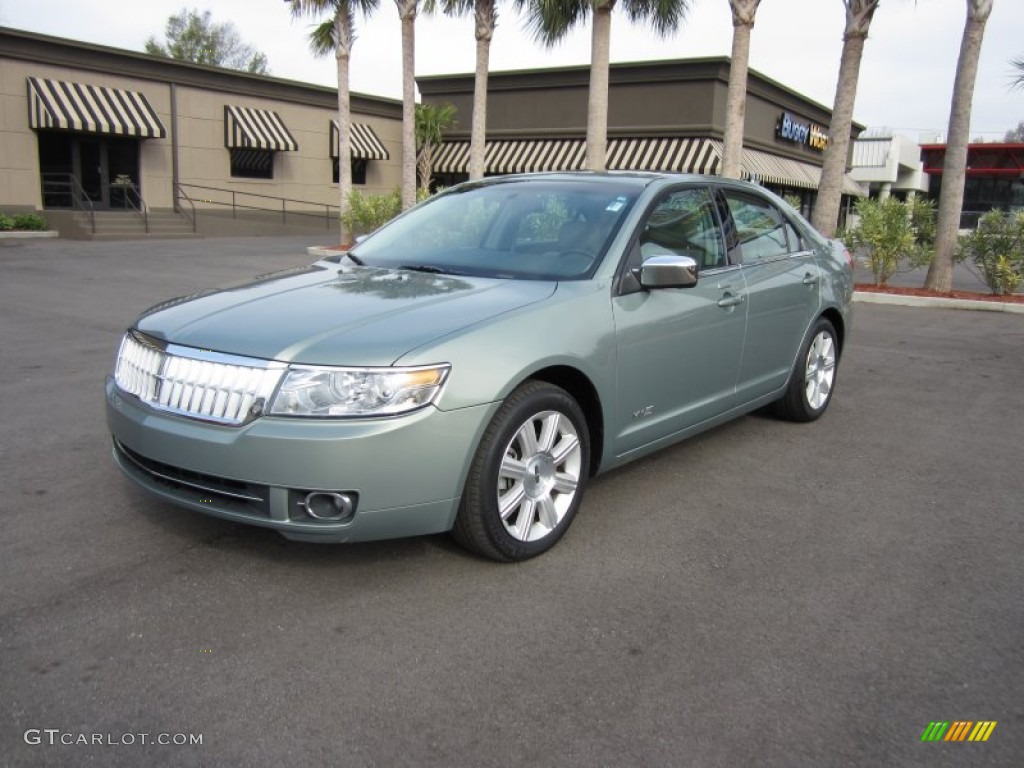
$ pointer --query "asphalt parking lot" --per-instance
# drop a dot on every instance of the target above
(763, 595)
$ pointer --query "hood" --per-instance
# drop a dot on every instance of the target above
(361, 316)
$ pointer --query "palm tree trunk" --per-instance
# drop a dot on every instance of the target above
(830, 190)
(484, 11)
(407, 12)
(342, 54)
(954, 167)
(736, 98)
(597, 103)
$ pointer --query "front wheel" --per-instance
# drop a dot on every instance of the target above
(527, 478)
(814, 377)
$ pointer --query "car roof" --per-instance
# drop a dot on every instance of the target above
(640, 179)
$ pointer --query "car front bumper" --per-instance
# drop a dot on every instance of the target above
(405, 474)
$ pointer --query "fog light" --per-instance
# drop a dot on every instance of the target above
(328, 506)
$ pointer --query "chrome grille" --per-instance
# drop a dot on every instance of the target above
(193, 382)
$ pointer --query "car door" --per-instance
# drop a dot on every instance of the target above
(782, 281)
(679, 349)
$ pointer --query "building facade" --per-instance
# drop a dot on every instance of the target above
(885, 164)
(663, 115)
(995, 178)
(110, 128)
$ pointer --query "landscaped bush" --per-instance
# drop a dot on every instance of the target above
(30, 221)
(367, 213)
(995, 251)
(6, 223)
(897, 236)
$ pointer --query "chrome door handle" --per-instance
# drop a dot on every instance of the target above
(810, 279)
(730, 300)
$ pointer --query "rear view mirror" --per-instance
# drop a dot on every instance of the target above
(668, 272)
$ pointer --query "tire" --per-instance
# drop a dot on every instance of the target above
(814, 377)
(528, 476)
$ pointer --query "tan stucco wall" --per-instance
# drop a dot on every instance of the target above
(304, 174)
(202, 159)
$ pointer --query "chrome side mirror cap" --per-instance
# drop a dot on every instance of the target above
(668, 272)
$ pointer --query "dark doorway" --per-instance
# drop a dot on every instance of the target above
(105, 169)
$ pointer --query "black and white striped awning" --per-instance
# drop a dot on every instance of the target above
(91, 109)
(251, 128)
(682, 155)
(529, 155)
(366, 145)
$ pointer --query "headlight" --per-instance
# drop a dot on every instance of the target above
(308, 391)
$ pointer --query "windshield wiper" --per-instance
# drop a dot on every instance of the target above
(359, 262)
(430, 269)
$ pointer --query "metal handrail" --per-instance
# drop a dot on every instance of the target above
(141, 209)
(190, 216)
(80, 201)
(327, 216)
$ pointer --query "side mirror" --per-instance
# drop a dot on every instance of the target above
(668, 272)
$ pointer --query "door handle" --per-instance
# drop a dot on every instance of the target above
(810, 279)
(730, 300)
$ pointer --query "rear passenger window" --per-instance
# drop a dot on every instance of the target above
(684, 224)
(760, 228)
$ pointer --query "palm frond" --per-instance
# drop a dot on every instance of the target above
(1018, 80)
(548, 21)
(322, 40)
(664, 16)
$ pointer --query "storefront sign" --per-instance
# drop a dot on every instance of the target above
(809, 134)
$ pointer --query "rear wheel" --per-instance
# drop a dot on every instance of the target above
(814, 377)
(527, 478)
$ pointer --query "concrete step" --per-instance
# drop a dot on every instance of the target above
(127, 225)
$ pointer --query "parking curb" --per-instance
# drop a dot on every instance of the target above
(869, 297)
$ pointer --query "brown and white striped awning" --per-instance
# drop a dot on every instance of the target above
(767, 168)
(366, 144)
(251, 128)
(529, 155)
(91, 109)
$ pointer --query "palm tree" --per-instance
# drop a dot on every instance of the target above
(954, 167)
(743, 12)
(551, 20)
(407, 13)
(830, 190)
(1018, 64)
(336, 35)
(485, 16)
(432, 120)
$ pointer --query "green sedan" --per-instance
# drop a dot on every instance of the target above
(469, 366)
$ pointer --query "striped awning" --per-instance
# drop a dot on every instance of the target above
(786, 172)
(366, 145)
(251, 128)
(91, 109)
(682, 155)
(529, 155)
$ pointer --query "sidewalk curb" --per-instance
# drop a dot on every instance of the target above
(321, 250)
(28, 234)
(868, 297)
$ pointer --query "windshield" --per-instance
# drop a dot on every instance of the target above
(524, 229)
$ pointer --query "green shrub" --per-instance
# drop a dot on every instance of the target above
(6, 223)
(897, 236)
(367, 213)
(30, 221)
(995, 251)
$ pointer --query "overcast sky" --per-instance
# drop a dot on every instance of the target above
(906, 75)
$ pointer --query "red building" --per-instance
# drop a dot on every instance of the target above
(995, 178)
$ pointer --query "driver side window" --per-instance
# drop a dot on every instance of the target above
(684, 224)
